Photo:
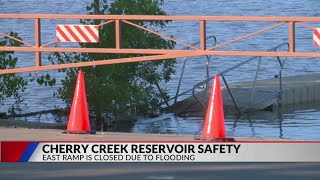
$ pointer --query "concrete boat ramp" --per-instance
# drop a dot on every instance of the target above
(294, 91)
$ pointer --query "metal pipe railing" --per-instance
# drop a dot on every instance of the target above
(185, 62)
(237, 66)
(118, 20)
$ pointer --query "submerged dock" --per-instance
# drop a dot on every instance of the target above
(295, 91)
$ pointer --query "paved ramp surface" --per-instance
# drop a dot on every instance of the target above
(24, 134)
(142, 171)
(160, 171)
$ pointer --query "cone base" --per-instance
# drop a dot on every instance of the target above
(215, 139)
(79, 132)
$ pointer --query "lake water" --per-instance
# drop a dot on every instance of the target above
(303, 124)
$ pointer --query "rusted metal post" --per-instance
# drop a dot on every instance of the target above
(118, 34)
(291, 36)
(203, 38)
(37, 42)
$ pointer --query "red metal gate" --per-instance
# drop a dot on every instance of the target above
(153, 54)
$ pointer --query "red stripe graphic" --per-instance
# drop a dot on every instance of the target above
(316, 32)
(77, 33)
(75, 37)
(93, 34)
(12, 151)
(82, 33)
(316, 37)
(63, 35)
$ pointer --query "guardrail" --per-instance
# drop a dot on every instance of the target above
(207, 81)
(153, 54)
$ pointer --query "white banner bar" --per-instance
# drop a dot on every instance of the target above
(176, 152)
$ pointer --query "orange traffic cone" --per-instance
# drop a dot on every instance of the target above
(78, 122)
(214, 127)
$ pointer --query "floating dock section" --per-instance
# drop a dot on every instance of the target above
(296, 91)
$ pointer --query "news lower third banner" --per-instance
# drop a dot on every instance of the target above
(160, 152)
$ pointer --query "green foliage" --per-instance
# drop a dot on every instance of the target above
(45, 80)
(11, 84)
(120, 88)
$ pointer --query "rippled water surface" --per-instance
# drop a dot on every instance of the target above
(304, 124)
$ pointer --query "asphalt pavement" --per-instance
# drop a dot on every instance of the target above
(160, 171)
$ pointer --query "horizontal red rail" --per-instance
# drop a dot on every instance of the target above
(164, 51)
(153, 54)
(154, 17)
